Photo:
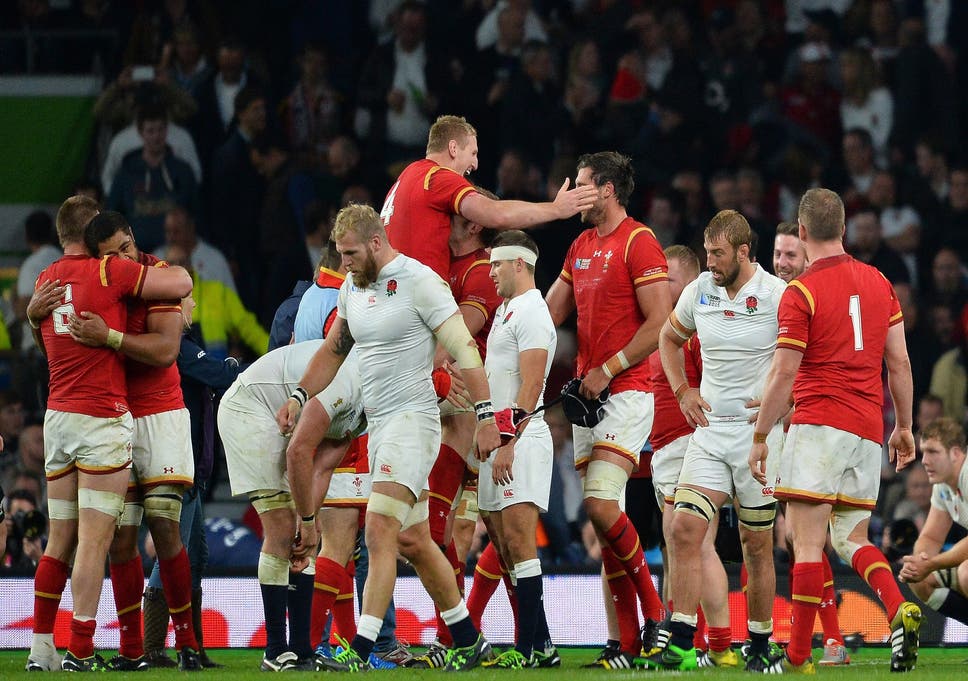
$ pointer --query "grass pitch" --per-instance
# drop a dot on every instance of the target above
(934, 664)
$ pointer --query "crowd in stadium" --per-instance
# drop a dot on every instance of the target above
(231, 136)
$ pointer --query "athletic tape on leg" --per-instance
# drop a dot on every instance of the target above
(604, 480)
(418, 513)
(757, 518)
(61, 509)
(694, 503)
(106, 502)
(382, 504)
(264, 500)
(842, 523)
(164, 501)
(132, 514)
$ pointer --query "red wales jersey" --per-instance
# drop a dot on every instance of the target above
(669, 423)
(837, 314)
(470, 282)
(417, 210)
(604, 273)
(87, 380)
(151, 390)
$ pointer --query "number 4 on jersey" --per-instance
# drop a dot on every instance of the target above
(387, 212)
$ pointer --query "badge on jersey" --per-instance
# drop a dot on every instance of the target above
(391, 287)
(751, 303)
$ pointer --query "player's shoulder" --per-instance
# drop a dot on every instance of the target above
(765, 281)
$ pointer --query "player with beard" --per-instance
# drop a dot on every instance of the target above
(394, 310)
(615, 275)
(732, 309)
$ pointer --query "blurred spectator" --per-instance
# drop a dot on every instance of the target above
(882, 37)
(129, 139)
(312, 114)
(26, 530)
(651, 60)
(223, 321)
(811, 103)
(151, 181)
(948, 285)
(664, 217)
(120, 102)
(866, 243)
(723, 191)
(487, 31)
(930, 408)
(516, 177)
(207, 261)
(90, 188)
(184, 59)
(900, 224)
(688, 182)
(12, 420)
(41, 239)
(237, 193)
(954, 223)
(154, 29)
(532, 115)
(217, 98)
(27, 461)
(916, 503)
(949, 379)
(922, 344)
(399, 91)
(866, 103)
(584, 97)
(859, 168)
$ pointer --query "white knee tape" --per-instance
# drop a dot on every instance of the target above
(467, 509)
(61, 509)
(382, 504)
(164, 501)
(264, 500)
(106, 502)
(604, 480)
(132, 514)
(419, 513)
(842, 523)
(937, 598)
(694, 502)
(273, 570)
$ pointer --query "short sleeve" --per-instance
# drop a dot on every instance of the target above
(157, 306)
(433, 299)
(796, 308)
(478, 291)
(644, 258)
(896, 316)
(684, 315)
(123, 275)
(534, 330)
(446, 189)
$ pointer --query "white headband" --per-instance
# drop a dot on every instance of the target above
(513, 253)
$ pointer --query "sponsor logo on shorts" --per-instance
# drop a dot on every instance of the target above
(508, 493)
(386, 468)
(337, 403)
(767, 492)
(169, 470)
(610, 436)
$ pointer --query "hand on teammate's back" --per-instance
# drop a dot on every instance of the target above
(88, 329)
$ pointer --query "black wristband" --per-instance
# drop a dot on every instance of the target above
(309, 518)
(300, 395)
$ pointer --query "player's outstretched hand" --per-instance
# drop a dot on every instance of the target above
(900, 448)
(757, 461)
(46, 297)
(287, 416)
(87, 328)
(568, 202)
(488, 439)
(694, 408)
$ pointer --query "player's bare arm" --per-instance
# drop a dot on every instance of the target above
(672, 337)
(319, 373)
(509, 214)
(926, 557)
(773, 406)
(900, 446)
(166, 283)
(560, 300)
(158, 347)
(655, 303)
(46, 296)
(457, 340)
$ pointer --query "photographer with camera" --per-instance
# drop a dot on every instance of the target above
(25, 529)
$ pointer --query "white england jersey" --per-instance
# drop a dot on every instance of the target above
(392, 322)
(522, 323)
(953, 501)
(737, 339)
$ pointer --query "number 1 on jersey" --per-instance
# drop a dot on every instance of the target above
(854, 312)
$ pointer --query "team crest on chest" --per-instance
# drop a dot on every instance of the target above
(391, 287)
(608, 256)
(751, 303)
